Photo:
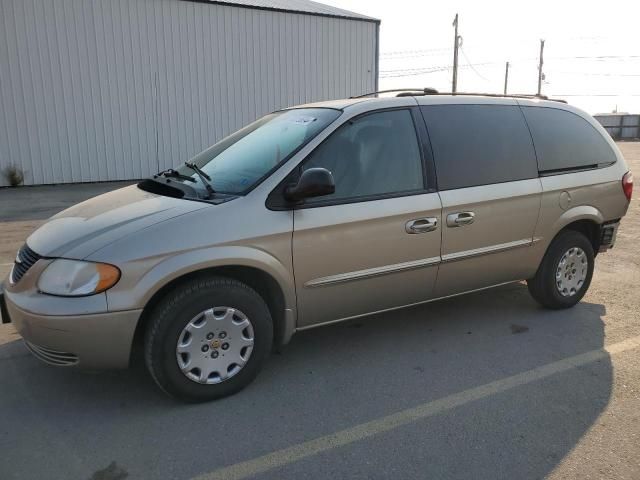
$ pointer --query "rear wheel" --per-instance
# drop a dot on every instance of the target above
(565, 272)
(208, 338)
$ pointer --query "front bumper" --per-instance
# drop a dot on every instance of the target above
(95, 341)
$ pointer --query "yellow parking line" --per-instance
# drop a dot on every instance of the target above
(300, 451)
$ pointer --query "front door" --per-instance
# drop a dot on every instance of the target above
(375, 243)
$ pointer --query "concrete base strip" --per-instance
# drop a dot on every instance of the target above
(300, 451)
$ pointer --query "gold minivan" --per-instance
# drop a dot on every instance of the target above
(318, 214)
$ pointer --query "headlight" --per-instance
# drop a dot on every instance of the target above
(74, 278)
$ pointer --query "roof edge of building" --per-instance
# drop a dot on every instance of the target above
(356, 17)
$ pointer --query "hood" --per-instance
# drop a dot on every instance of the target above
(88, 226)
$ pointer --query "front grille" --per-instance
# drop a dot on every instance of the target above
(24, 261)
(52, 357)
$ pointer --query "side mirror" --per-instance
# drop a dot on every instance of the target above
(314, 182)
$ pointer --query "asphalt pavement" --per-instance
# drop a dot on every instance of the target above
(487, 385)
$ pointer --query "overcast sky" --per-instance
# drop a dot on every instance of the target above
(592, 50)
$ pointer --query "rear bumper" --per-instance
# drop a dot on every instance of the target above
(608, 232)
(3, 307)
(96, 341)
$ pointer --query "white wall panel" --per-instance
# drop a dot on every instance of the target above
(98, 90)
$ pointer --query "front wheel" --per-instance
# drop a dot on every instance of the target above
(565, 272)
(208, 339)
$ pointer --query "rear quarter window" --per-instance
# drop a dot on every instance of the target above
(565, 141)
(479, 144)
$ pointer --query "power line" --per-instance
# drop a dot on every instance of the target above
(516, 62)
(596, 95)
(469, 64)
(402, 52)
(413, 73)
(400, 70)
(435, 67)
(421, 70)
(596, 74)
(583, 57)
(408, 72)
(597, 57)
(551, 59)
(415, 55)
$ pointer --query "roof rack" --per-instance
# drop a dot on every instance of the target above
(500, 95)
(419, 92)
(406, 92)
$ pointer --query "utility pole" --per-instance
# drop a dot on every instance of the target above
(540, 63)
(506, 77)
(454, 83)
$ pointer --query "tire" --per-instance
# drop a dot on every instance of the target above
(196, 313)
(545, 286)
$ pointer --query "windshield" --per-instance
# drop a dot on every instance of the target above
(240, 161)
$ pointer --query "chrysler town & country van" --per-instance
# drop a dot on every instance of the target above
(317, 214)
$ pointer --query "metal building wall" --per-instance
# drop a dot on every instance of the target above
(620, 125)
(96, 90)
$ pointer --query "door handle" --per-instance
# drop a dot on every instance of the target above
(421, 225)
(460, 219)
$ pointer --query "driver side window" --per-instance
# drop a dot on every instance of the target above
(376, 154)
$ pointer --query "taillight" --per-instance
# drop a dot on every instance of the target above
(627, 185)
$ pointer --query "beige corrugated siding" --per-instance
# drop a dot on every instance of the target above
(96, 90)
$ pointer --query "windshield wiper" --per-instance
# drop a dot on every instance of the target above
(173, 173)
(203, 176)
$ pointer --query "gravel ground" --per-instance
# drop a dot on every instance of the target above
(483, 386)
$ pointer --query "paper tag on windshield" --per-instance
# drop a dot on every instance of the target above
(304, 120)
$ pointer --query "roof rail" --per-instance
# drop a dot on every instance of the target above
(418, 92)
(501, 95)
(407, 92)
